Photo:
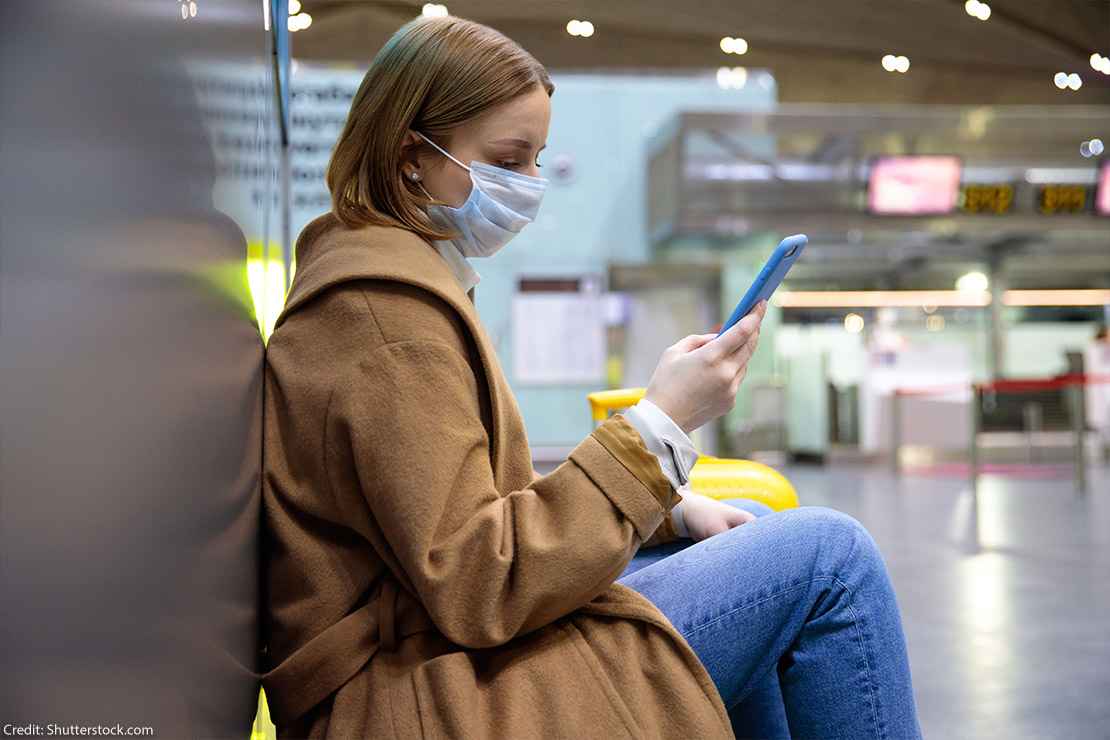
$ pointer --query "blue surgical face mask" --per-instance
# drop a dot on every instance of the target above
(500, 204)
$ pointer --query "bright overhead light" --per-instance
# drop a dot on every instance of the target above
(294, 7)
(1061, 80)
(935, 298)
(434, 10)
(729, 45)
(585, 29)
(972, 282)
(853, 323)
(893, 63)
(732, 78)
(880, 298)
(299, 22)
(1100, 63)
(1095, 146)
(1081, 297)
(977, 9)
(1075, 81)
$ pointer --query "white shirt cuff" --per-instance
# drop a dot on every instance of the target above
(664, 439)
(678, 512)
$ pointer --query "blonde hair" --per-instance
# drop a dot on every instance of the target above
(433, 75)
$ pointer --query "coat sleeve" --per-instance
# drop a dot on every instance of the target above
(488, 565)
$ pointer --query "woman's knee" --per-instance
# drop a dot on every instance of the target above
(840, 536)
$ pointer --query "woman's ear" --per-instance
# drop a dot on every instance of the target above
(410, 162)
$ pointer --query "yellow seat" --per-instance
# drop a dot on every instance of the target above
(717, 477)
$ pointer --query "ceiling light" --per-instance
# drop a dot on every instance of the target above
(933, 298)
(299, 22)
(880, 298)
(1085, 149)
(977, 9)
(1061, 80)
(294, 7)
(893, 63)
(729, 45)
(1081, 297)
(1075, 81)
(853, 323)
(585, 29)
(433, 10)
(972, 282)
(1096, 147)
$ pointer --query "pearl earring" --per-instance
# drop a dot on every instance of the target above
(414, 176)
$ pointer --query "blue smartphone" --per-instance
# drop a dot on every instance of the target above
(769, 278)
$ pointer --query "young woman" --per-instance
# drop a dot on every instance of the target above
(422, 580)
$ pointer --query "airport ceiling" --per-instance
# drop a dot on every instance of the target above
(818, 50)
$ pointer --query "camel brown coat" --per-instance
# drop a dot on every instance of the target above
(421, 580)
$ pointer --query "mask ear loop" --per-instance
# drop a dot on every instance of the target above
(431, 198)
(442, 151)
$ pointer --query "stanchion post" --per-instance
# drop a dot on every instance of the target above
(896, 432)
(973, 442)
(1078, 423)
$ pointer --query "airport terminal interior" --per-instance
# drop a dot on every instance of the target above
(936, 364)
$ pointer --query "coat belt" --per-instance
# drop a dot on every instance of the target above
(330, 659)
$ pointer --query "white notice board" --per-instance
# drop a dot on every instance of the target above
(559, 336)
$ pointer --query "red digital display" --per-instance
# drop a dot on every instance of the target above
(1102, 199)
(911, 186)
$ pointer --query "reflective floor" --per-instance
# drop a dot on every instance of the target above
(1006, 604)
(1005, 600)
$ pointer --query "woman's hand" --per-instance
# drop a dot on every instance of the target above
(704, 517)
(697, 378)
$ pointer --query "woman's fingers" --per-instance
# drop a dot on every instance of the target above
(738, 336)
(739, 516)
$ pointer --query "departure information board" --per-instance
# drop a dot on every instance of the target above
(996, 199)
(1053, 199)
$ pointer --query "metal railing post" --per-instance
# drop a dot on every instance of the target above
(896, 432)
(973, 446)
(1078, 423)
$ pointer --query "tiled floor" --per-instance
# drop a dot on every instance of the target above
(1005, 600)
(1006, 603)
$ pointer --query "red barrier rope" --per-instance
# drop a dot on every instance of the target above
(1010, 386)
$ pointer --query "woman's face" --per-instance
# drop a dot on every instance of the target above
(509, 136)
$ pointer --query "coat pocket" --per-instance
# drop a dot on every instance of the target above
(543, 685)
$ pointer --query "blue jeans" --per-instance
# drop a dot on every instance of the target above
(795, 619)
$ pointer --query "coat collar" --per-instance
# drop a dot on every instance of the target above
(329, 254)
